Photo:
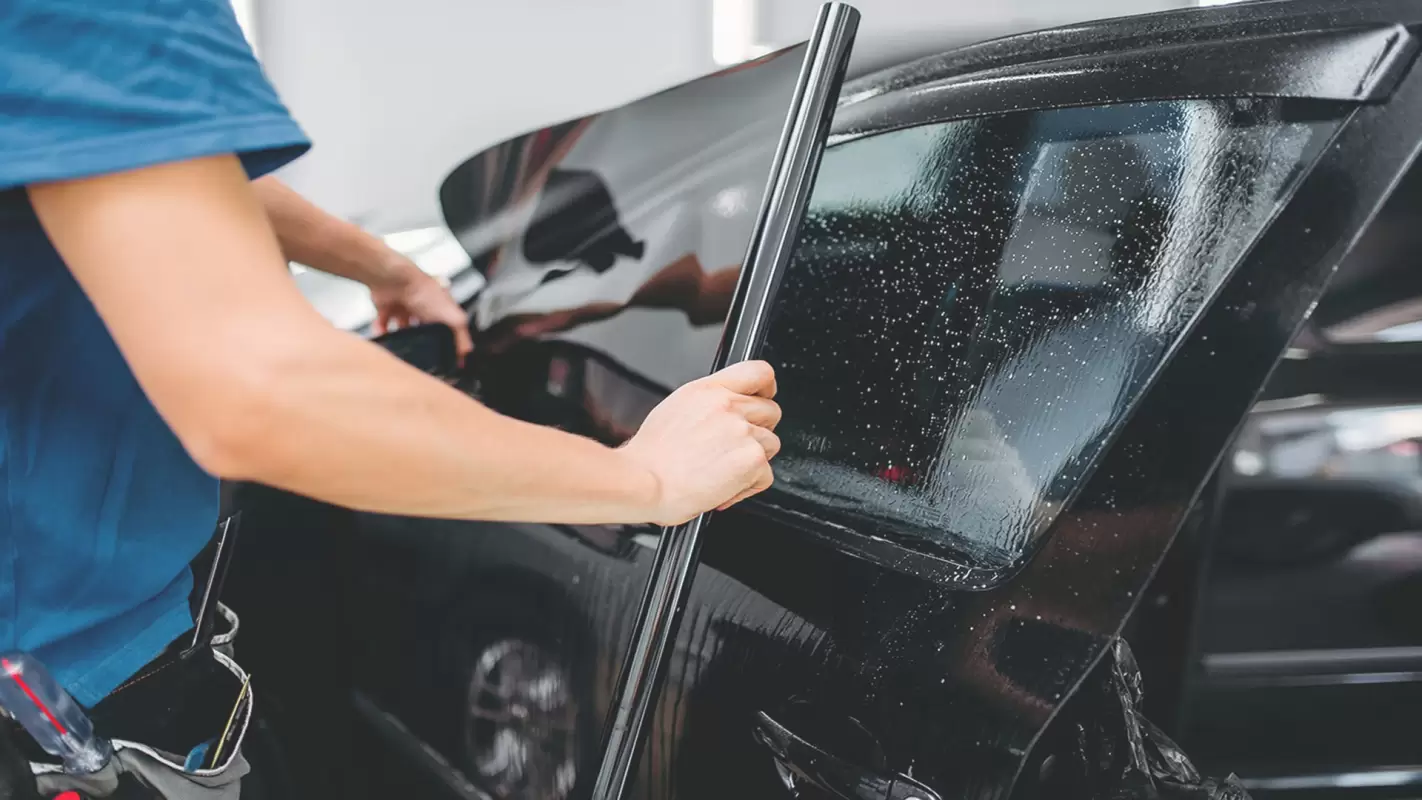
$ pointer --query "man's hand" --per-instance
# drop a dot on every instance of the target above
(710, 443)
(403, 293)
(412, 297)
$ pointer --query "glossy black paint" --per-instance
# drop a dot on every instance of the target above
(1358, 64)
(800, 761)
(894, 673)
(1193, 27)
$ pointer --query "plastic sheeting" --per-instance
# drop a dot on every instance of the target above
(1121, 755)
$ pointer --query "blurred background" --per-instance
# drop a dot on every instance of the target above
(396, 94)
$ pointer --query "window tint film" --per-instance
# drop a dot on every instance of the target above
(622, 232)
(974, 305)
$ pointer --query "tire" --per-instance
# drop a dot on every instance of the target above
(522, 681)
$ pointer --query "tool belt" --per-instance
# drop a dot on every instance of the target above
(177, 726)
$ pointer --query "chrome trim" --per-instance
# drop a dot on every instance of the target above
(1373, 660)
(1364, 779)
(1289, 403)
(792, 174)
(1247, 682)
(203, 623)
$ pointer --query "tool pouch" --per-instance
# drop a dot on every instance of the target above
(178, 702)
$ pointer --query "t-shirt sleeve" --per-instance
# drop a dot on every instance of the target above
(88, 88)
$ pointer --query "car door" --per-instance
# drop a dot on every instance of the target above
(1006, 374)
(1039, 284)
(1002, 396)
(1011, 350)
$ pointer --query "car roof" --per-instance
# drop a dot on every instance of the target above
(911, 76)
(1140, 31)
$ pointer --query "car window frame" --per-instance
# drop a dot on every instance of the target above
(1309, 49)
(1089, 572)
(1394, 48)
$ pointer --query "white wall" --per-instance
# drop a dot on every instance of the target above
(886, 21)
(396, 92)
(921, 26)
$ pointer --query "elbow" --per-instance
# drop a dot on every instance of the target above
(231, 435)
(222, 454)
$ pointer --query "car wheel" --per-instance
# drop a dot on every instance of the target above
(527, 723)
(521, 726)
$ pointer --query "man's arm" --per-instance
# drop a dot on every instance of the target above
(401, 291)
(314, 238)
(182, 265)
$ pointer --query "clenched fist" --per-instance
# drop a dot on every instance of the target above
(709, 444)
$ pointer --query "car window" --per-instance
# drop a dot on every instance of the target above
(974, 305)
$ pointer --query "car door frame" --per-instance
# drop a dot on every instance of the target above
(1112, 544)
(1371, 54)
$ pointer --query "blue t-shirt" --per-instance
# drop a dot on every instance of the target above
(102, 509)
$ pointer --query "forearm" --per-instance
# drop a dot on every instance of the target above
(314, 238)
(180, 262)
(338, 407)
(257, 386)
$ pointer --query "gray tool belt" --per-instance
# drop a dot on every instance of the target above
(162, 773)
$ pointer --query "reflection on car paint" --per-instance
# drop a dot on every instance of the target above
(616, 230)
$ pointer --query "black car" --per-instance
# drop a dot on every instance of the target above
(1040, 285)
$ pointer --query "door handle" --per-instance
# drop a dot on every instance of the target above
(801, 763)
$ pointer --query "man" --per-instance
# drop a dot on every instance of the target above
(152, 340)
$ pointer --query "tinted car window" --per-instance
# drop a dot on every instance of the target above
(974, 305)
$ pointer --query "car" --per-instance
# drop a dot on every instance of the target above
(1040, 285)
